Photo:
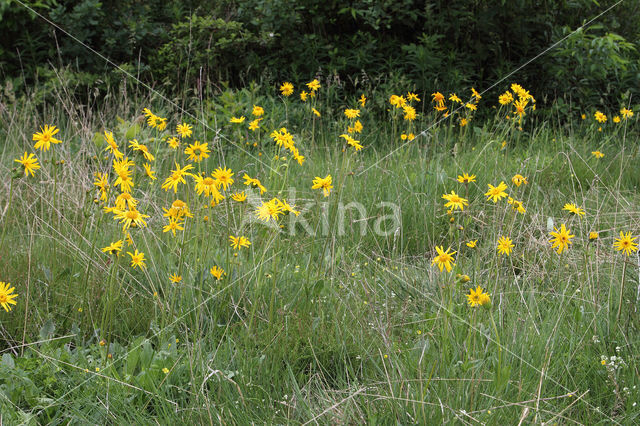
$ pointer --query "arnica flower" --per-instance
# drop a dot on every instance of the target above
(113, 248)
(600, 117)
(316, 112)
(254, 183)
(269, 210)
(239, 197)
(616, 119)
(463, 122)
(397, 101)
(237, 120)
(438, 99)
(323, 183)
(304, 96)
(454, 98)
(362, 100)
(626, 113)
(313, 85)
(184, 130)
(454, 201)
(287, 208)
(520, 105)
(352, 113)
(7, 296)
(141, 148)
(351, 141)
(505, 245)
(175, 278)
(238, 242)
(178, 210)
(465, 178)
(223, 178)
(597, 154)
(29, 163)
(475, 94)
(176, 177)
(593, 235)
(496, 193)
(137, 259)
(561, 238)
(124, 179)
(173, 142)
(197, 151)
(254, 124)
(45, 138)
(443, 259)
(206, 185)
(477, 297)
(125, 200)
(517, 205)
(216, 272)
(286, 88)
(472, 243)
(131, 218)
(150, 173)
(409, 113)
(572, 208)
(506, 98)
(470, 106)
(257, 111)
(519, 180)
(626, 243)
(112, 146)
(412, 97)
(173, 226)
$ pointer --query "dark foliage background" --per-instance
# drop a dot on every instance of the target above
(190, 45)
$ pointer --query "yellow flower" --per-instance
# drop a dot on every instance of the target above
(45, 138)
(141, 148)
(29, 163)
(176, 177)
(465, 178)
(269, 210)
(626, 243)
(197, 151)
(561, 238)
(239, 242)
(454, 98)
(216, 272)
(223, 178)
(496, 193)
(125, 200)
(472, 107)
(438, 99)
(626, 113)
(207, 185)
(472, 243)
(286, 88)
(313, 85)
(583, 116)
(505, 245)
(616, 119)
(397, 101)
(357, 127)
(412, 97)
(455, 201)
(362, 100)
(597, 154)
(519, 180)
(593, 235)
(409, 113)
(165, 370)
(476, 94)
(237, 120)
(506, 98)
(175, 278)
(600, 117)
(113, 248)
(303, 96)
(517, 205)
(257, 111)
(112, 145)
(184, 130)
(173, 142)
(477, 297)
(254, 183)
(131, 218)
(239, 196)
(137, 259)
(570, 207)
(254, 124)
(150, 173)
(352, 113)
(443, 259)
(315, 112)
(323, 183)
(463, 122)
(173, 226)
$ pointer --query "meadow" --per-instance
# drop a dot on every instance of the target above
(299, 254)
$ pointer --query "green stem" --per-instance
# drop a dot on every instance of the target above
(624, 273)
